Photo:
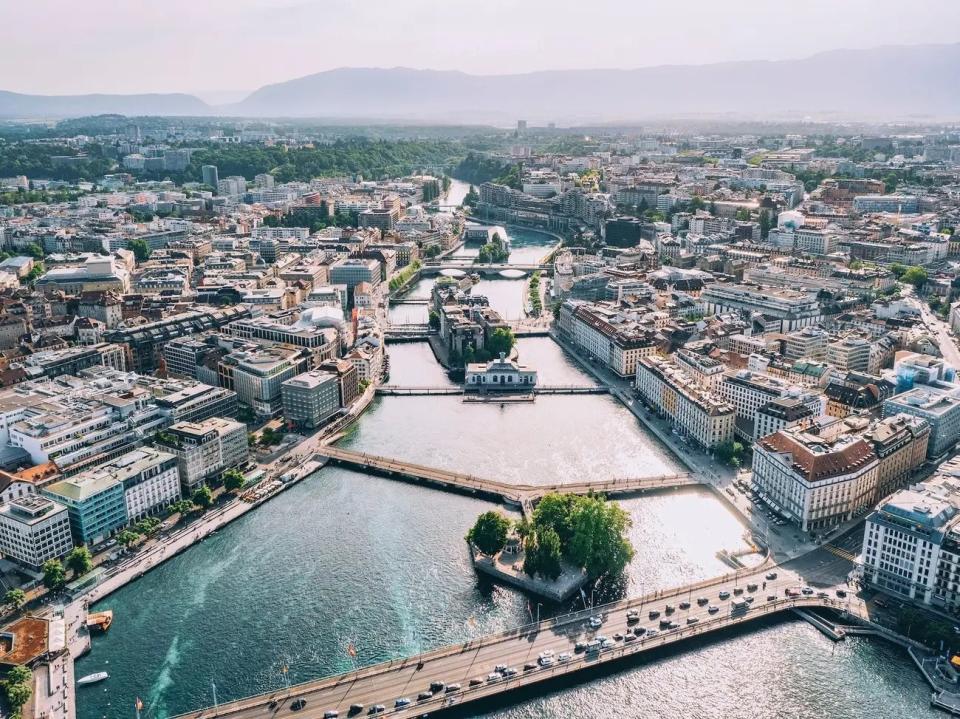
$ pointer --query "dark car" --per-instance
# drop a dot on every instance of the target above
(298, 704)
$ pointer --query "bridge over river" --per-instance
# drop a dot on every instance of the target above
(519, 494)
(464, 673)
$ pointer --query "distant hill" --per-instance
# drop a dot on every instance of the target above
(895, 82)
(880, 83)
(16, 105)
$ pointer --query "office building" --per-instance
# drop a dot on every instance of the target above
(95, 503)
(34, 529)
(205, 450)
(939, 407)
(210, 176)
(311, 398)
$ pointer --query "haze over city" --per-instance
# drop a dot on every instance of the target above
(204, 48)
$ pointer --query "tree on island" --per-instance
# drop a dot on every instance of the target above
(79, 561)
(434, 320)
(598, 544)
(489, 532)
(472, 197)
(54, 577)
(501, 340)
(543, 554)
(494, 251)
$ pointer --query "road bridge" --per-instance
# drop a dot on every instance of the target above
(467, 672)
(470, 267)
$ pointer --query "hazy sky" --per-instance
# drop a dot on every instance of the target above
(66, 46)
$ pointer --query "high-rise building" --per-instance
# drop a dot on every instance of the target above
(211, 175)
(205, 449)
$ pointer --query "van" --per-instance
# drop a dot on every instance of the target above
(739, 605)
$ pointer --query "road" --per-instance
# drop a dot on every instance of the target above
(941, 332)
(476, 660)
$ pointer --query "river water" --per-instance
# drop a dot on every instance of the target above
(348, 562)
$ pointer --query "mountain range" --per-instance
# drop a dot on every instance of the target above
(891, 82)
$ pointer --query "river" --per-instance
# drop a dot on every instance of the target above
(346, 563)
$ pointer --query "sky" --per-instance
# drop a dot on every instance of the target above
(209, 46)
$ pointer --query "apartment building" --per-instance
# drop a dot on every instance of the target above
(602, 332)
(697, 413)
(781, 413)
(807, 343)
(148, 477)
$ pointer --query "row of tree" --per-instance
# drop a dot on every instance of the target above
(585, 531)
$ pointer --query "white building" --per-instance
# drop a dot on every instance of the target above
(790, 309)
(816, 480)
(499, 374)
(34, 529)
(911, 544)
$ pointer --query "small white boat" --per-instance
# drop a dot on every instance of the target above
(92, 678)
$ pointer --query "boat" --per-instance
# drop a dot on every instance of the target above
(100, 621)
(92, 678)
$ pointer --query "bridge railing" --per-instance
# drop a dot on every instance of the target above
(641, 644)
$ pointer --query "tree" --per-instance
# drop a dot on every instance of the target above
(554, 512)
(203, 497)
(35, 251)
(141, 250)
(79, 561)
(543, 554)
(729, 452)
(54, 577)
(126, 538)
(433, 251)
(233, 480)
(502, 340)
(434, 320)
(916, 276)
(472, 197)
(180, 507)
(16, 598)
(489, 532)
(18, 688)
(598, 544)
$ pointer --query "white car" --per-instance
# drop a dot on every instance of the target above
(564, 657)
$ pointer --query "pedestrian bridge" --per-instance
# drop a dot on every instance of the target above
(397, 390)
(464, 673)
(514, 493)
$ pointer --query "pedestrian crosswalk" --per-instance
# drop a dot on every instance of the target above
(842, 553)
